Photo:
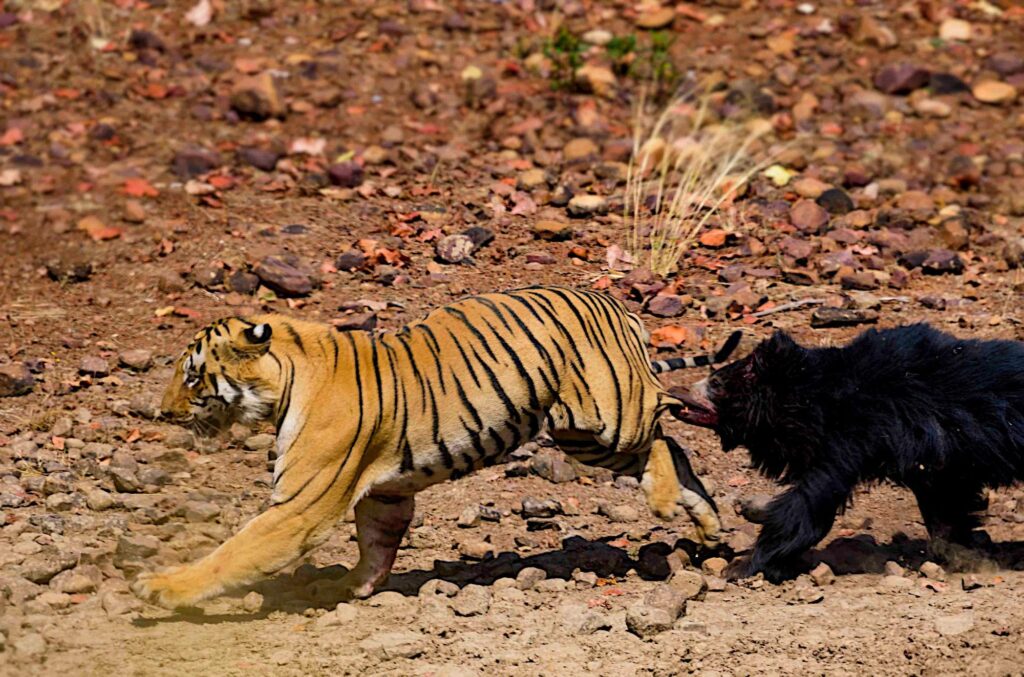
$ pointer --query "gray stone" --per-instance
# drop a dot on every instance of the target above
(954, 625)
(392, 645)
(472, 600)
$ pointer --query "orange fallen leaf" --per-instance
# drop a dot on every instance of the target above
(11, 137)
(139, 188)
(670, 336)
(98, 230)
(713, 238)
(221, 182)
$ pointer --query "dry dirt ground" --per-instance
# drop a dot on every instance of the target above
(161, 167)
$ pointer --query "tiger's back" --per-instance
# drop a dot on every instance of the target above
(479, 377)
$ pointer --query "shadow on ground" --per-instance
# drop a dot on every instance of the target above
(309, 586)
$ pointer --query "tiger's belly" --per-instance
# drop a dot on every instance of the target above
(422, 465)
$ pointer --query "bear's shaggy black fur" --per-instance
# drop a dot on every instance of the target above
(940, 415)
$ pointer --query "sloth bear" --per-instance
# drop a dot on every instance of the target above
(939, 415)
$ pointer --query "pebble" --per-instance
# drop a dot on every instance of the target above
(822, 575)
(343, 615)
(666, 305)
(15, 380)
(286, 275)
(657, 613)
(438, 586)
(469, 517)
(955, 29)
(133, 212)
(900, 78)
(552, 585)
(597, 36)
(97, 499)
(257, 98)
(42, 567)
(552, 466)
(653, 19)
(553, 231)
(124, 480)
(534, 508)
(809, 187)
(578, 150)
(260, 158)
(932, 571)
(714, 566)
(932, 108)
(619, 514)
(1006, 63)
(259, 442)
(583, 206)
(472, 600)
(893, 569)
(119, 603)
(808, 216)
(138, 359)
(531, 179)
(835, 201)
(94, 366)
(456, 248)
(201, 511)
(994, 92)
(688, 583)
(842, 317)
(192, 161)
(529, 577)
(476, 549)
(346, 174)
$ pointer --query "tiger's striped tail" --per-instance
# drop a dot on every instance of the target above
(673, 363)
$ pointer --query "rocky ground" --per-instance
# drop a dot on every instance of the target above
(165, 163)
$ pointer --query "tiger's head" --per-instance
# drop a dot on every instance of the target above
(226, 374)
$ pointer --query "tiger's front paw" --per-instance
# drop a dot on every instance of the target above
(172, 589)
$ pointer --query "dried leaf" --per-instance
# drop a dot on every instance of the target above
(671, 336)
(139, 188)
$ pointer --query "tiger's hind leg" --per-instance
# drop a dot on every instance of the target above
(668, 482)
(694, 498)
(381, 523)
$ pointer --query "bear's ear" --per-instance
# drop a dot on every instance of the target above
(776, 352)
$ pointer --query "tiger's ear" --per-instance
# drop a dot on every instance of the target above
(254, 340)
(258, 334)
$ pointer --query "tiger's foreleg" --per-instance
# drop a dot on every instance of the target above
(669, 481)
(381, 523)
(269, 542)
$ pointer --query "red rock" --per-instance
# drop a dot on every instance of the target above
(15, 380)
(666, 305)
(346, 174)
(286, 275)
(808, 216)
(901, 78)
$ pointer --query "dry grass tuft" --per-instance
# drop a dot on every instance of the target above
(685, 169)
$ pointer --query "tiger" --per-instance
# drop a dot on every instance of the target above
(366, 421)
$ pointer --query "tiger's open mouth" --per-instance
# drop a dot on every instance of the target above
(696, 410)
